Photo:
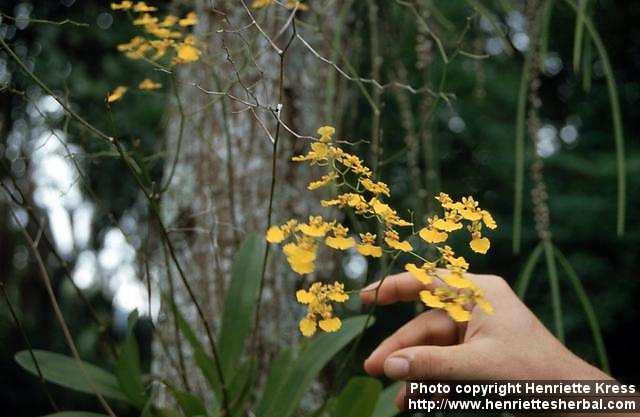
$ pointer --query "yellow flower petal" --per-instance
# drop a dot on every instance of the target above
(326, 131)
(480, 245)
(457, 281)
(418, 273)
(431, 300)
(369, 250)
(399, 222)
(340, 243)
(380, 208)
(148, 84)
(123, 5)
(305, 297)
(188, 53)
(145, 20)
(458, 262)
(293, 251)
(403, 246)
(320, 150)
(117, 94)
(471, 215)
(301, 267)
(484, 305)
(432, 235)
(307, 327)
(275, 235)
(487, 219)
(168, 21)
(312, 230)
(457, 312)
(447, 225)
(338, 296)
(354, 199)
(142, 7)
(190, 20)
(330, 325)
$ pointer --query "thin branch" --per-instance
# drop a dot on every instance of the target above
(23, 333)
(152, 199)
(58, 313)
(45, 21)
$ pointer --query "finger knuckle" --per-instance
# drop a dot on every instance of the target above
(427, 365)
(497, 281)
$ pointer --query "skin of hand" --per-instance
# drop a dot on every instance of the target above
(509, 344)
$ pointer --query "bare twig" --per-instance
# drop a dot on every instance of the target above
(58, 313)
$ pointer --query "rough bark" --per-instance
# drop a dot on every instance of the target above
(219, 189)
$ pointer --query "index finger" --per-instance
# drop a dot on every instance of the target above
(394, 288)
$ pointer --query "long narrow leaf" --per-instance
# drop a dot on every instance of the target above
(358, 398)
(202, 359)
(616, 115)
(127, 368)
(587, 306)
(554, 283)
(386, 405)
(522, 283)
(240, 386)
(277, 374)
(519, 154)
(586, 65)
(190, 405)
(578, 32)
(325, 408)
(309, 363)
(241, 302)
(544, 27)
(64, 371)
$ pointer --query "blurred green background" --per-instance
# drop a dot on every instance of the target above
(473, 141)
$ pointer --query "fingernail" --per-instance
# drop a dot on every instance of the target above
(396, 368)
(370, 287)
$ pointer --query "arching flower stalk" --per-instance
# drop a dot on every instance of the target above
(451, 290)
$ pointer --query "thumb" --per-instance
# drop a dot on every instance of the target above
(437, 363)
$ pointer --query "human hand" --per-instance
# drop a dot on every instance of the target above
(510, 344)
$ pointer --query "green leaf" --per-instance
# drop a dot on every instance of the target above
(277, 373)
(578, 33)
(614, 102)
(239, 388)
(519, 153)
(308, 364)
(75, 414)
(386, 405)
(190, 404)
(237, 317)
(554, 283)
(522, 282)
(326, 407)
(64, 371)
(202, 359)
(358, 398)
(587, 58)
(167, 412)
(127, 369)
(547, 8)
(587, 306)
(148, 410)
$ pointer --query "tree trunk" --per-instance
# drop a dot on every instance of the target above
(218, 190)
